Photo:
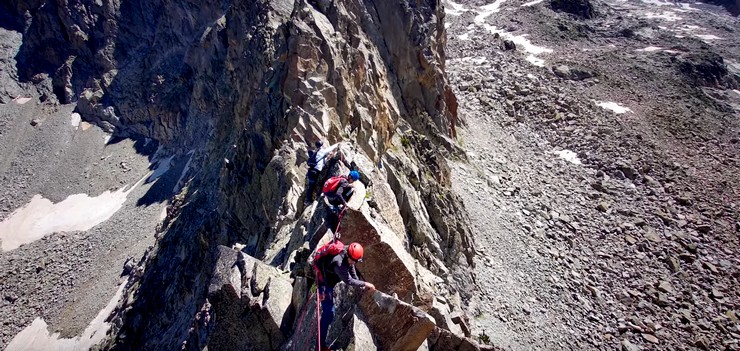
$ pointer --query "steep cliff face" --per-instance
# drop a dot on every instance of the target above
(242, 88)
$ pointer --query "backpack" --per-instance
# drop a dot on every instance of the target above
(332, 184)
(330, 249)
(312, 162)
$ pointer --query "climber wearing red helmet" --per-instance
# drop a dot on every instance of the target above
(332, 270)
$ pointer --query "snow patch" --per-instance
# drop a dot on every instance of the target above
(487, 10)
(532, 3)
(736, 91)
(75, 120)
(180, 181)
(37, 336)
(657, 2)
(519, 40)
(162, 167)
(465, 36)
(454, 9)
(41, 217)
(669, 16)
(613, 106)
(650, 49)
(707, 37)
(536, 61)
(569, 156)
(476, 60)
(22, 100)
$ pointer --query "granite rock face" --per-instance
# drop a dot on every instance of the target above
(243, 88)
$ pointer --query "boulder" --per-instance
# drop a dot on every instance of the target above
(444, 340)
(704, 68)
(580, 8)
(386, 263)
(572, 73)
(251, 304)
(363, 321)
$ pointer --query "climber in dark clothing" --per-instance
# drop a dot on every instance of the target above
(330, 271)
(313, 172)
(317, 158)
(337, 191)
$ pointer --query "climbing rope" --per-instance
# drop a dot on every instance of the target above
(336, 234)
(303, 315)
(318, 319)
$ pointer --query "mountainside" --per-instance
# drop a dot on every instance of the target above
(231, 94)
(603, 176)
(551, 174)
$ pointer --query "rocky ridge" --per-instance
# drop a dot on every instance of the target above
(240, 91)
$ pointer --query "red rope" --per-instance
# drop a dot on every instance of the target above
(339, 223)
(318, 319)
(303, 315)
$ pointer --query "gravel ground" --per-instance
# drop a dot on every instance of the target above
(630, 242)
(67, 277)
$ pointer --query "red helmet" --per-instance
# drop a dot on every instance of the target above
(355, 251)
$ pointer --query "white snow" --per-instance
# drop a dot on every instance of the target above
(689, 27)
(519, 40)
(657, 2)
(536, 61)
(487, 10)
(650, 49)
(21, 100)
(78, 212)
(532, 3)
(666, 15)
(569, 156)
(707, 37)
(613, 106)
(736, 91)
(75, 120)
(477, 60)
(37, 337)
(465, 36)
(184, 173)
(162, 167)
(107, 138)
(454, 9)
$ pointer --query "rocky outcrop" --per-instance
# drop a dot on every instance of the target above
(251, 304)
(365, 321)
(441, 339)
(580, 8)
(253, 83)
(705, 68)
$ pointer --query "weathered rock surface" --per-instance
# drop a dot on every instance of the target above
(581, 8)
(376, 321)
(254, 83)
(251, 304)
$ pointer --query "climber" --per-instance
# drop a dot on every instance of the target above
(337, 191)
(335, 263)
(316, 161)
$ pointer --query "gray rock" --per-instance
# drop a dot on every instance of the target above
(628, 346)
(509, 45)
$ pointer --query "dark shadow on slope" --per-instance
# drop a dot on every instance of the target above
(165, 184)
(732, 6)
(8, 19)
